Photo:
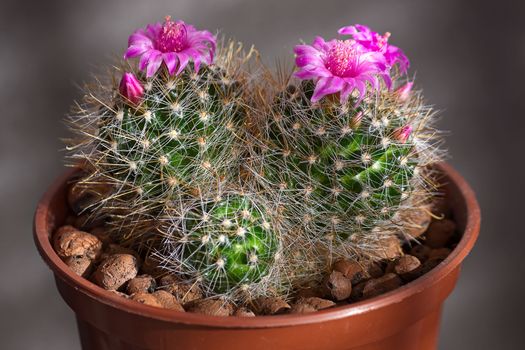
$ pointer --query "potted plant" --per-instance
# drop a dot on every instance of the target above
(214, 204)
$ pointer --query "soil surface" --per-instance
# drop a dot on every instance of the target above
(88, 250)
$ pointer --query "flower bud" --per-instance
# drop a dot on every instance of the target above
(404, 91)
(402, 134)
(131, 89)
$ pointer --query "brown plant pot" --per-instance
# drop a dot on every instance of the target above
(406, 318)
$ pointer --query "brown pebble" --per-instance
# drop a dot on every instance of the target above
(339, 287)
(406, 267)
(115, 271)
(68, 241)
(184, 292)
(416, 221)
(270, 305)
(142, 283)
(439, 254)
(439, 233)
(390, 248)
(375, 270)
(81, 265)
(390, 266)
(167, 300)
(420, 251)
(306, 305)
(311, 291)
(424, 268)
(350, 269)
(146, 298)
(406, 263)
(151, 266)
(103, 234)
(211, 307)
(357, 291)
(244, 312)
(377, 286)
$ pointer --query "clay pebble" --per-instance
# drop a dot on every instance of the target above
(167, 300)
(115, 271)
(339, 287)
(211, 307)
(271, 305)
(142, 283)
(312, 304)
(69, 241)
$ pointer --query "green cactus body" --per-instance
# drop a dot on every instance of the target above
(226, 244)
(180, 139)
(350, 166)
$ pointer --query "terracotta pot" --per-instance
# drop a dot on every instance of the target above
(406, 318)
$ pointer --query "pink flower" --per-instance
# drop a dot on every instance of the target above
(378, 43)
(404, 91)
(131, 89)
(175, 43)
(339, 66)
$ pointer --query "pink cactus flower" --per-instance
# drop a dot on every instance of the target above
(131, 89)
(378, 43)
(339, 66)
(403, 92)
(174, 43)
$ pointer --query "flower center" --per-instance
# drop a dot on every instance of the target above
(172, 38)
(342, 58)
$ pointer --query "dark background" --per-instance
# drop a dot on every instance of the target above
(467, 55)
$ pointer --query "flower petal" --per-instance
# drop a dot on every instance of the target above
(305, 50)
(313, 72)
(320, 44)
(171, 60)
(139, 38)
(304, 60)
(326, 86)
(361, 88)
(348, 30)
(134, 51)
(155, 60)
(144, 59)
(183, 62)
(348, 87)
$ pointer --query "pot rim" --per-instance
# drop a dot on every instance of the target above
(60, 269)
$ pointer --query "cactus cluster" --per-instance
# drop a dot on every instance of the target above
(246, 184)
(344, 170)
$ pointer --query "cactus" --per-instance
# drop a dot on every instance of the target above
(344, 167)
(227, 244)
(180, 137)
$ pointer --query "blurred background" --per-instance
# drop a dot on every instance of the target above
(469, 56)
